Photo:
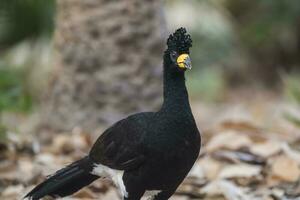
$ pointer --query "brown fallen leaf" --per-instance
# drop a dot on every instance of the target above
(197, 171)
(266, 149)
(188, 191)
(229, 140)
(285, 169)
(85, 194)
(240, 126)
(61, 144)
(209, 167)
(8, 171)
(13, 192)
(110, 195)
(227, 189)
(26, 169)
(295, 155)
(240, 171)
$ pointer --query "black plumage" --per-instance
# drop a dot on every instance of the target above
(65, 181)
(150, 151)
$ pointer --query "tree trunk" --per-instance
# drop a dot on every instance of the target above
(108, 62)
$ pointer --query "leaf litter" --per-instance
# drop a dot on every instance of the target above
(239, 160)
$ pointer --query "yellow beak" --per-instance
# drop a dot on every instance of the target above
(184, 61)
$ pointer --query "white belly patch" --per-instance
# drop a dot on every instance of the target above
(115, 175)
(150, 194)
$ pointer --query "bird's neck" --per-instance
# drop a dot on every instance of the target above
(175, 92)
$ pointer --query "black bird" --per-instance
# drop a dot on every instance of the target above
(148, 153)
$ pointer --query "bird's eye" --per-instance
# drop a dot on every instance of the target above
(173, 56)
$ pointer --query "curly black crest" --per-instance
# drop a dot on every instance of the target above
(180, 41)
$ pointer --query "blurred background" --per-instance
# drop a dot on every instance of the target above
(75, 67)
(238, 46)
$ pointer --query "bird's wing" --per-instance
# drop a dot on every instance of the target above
(120, 147)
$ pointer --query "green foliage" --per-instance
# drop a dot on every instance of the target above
(292, 118)
(2, 133)
(13, 94)
(21, 20)
(292, 87)
(25, 19)
(262, 23)
(292, 91)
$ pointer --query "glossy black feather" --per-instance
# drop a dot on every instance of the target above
(65, 181)
(120, 147)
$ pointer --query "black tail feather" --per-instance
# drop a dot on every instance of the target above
(65, 181)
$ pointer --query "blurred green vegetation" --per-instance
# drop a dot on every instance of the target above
(20, 20)
(292, 87)
(14, 95)
(292, 91)
(13, 91)
(25, 19)
(269, 31)
(262, 22)
(2, 133)
(235, 41)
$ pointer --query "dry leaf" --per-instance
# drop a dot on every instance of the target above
(13, 192)
(210, 167)
(239, 125)
(295, 155)
(111, 194)
(285, 169)
(266, 149)
(226, 188)
(240, 171)
(62, 144)
(197, 171)
(26, 168)
(187, 190)
(230, 140)
(85, 194)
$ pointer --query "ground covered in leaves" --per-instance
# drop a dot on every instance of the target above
(250, 151)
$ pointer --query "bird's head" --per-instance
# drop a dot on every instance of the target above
(178, 51)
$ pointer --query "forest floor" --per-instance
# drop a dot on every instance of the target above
(250, 151)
